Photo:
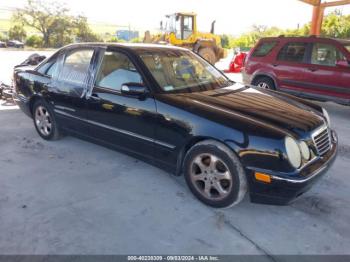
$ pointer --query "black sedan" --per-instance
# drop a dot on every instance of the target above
(15, 44)
(169, 107)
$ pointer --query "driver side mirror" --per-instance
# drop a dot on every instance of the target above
(133, 89)
(342, 63)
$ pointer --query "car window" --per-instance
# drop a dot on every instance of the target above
(76, 66)
(293, 52)
(347, 46)
(325, 54)
(72, 78)
(117, 69)
(264, 49)
(49, 68)
(180, 70)
(51, 71)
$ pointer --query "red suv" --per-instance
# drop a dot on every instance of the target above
(310, 67)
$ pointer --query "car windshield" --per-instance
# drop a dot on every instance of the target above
(182, 71)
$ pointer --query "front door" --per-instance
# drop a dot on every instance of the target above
(126, 122)
(326, 78)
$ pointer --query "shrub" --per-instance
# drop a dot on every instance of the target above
(35, 41)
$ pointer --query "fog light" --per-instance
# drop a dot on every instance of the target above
(263, 177)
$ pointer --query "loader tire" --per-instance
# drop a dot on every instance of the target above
(208, 54)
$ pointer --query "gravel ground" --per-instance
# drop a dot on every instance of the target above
(74, 197)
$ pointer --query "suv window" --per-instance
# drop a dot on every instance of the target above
(347, 46)
(76, 66)
(264, 49)
(293, 52)
(117, 69)
(325, 54)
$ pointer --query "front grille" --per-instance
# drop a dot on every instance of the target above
(322, 140)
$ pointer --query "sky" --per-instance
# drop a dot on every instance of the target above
(232, 16)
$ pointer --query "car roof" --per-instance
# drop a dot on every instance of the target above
(288, 38)
(133, 46)
(344, 41)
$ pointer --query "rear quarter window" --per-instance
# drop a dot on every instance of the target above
(264, 48)
(347, 47)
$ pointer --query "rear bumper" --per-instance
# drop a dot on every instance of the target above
(283, 189)
(23, 103)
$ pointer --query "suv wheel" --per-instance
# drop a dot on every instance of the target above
(264, 82)
(214, 174)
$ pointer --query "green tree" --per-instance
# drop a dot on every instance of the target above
(225, 41)
(43, 16)
(17, 32)
(113, 39)
(83, 32)
(3, 37)
(136, 40)
(336, 25)
(63, 33)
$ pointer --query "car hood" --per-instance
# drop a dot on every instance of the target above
(262, 106)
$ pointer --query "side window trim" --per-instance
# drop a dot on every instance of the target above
(308, 55)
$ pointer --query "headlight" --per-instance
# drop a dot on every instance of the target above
(293, 151)
(305, 151)
(325, 113)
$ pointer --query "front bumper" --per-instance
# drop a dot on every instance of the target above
(283, 189)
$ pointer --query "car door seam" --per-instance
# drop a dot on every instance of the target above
(116, 129)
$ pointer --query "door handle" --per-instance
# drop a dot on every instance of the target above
(95, 97)
(312, 69)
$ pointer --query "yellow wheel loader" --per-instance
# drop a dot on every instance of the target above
(180, 29)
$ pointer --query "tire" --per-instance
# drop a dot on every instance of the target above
(264, 82)
(45, 121)
(208, 54)
(223, 172)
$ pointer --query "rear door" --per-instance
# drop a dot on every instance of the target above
(290, 66)
(67, 90)
(325, 77)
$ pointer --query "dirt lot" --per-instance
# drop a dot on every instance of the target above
(74, 197)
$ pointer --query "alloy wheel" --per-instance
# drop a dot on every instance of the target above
(263, 85)
(43, 120)
(211, 176)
